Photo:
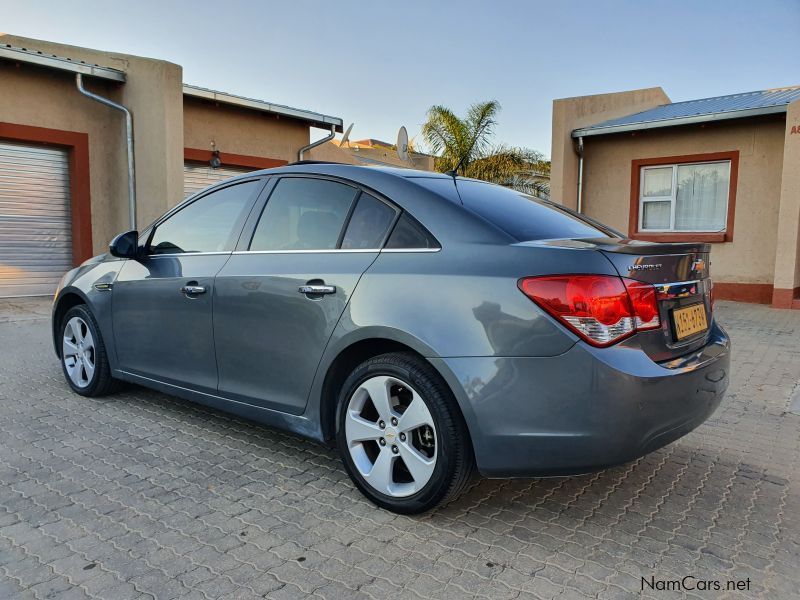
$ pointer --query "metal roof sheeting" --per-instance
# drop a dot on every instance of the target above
(61, 63)
(734, 106)
(316, 119)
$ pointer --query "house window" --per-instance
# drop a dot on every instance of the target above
(689, 197)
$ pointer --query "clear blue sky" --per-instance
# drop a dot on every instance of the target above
(382, 64)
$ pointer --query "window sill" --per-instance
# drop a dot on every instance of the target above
(710, 237)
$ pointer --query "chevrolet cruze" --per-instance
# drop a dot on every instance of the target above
(425, 324)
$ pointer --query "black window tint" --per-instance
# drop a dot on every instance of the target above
(209, 224)
(521, 216)
(524, 217)
(410, 234)
(303, 214)
(368, 225)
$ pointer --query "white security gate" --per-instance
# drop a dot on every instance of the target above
(35, 221)
(197, 176)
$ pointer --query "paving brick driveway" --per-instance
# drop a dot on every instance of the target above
(143, 495)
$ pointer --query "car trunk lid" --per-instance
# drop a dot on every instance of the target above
(681, 274)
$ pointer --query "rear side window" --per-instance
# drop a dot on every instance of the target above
(303, 214)
(408, 234)
(369, 224)
(523, 217)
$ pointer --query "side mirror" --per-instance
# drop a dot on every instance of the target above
(125, 245)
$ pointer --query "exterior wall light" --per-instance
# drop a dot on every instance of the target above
(215, 161)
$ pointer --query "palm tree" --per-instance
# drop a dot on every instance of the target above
(465, 145)
(456, 140)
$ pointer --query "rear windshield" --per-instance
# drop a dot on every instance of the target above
(523, 217)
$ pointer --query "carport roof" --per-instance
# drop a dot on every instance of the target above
(734, 106)
(314, 118)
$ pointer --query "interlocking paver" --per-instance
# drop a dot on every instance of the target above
(141, 495)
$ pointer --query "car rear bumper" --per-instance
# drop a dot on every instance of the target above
(585, 409)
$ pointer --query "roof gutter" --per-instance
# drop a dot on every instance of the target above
(316, 119)
(128, 143)
(327, 138)
(723, 116)
(62, 64)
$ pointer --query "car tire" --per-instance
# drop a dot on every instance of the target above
(428, 464)
(84, 360)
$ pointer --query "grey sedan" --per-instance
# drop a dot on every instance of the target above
(425, 324)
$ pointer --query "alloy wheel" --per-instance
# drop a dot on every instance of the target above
(78, 352)
(391, 436)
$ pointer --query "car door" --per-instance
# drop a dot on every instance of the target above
(281, 294)
(162, 301)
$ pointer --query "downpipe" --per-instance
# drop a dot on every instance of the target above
(580, 174)
(327, 138)
(128, 143)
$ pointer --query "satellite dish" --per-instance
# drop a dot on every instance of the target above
(346, 135)
(402, 144)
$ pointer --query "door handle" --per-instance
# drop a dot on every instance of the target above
(193, 290)
(317, 289)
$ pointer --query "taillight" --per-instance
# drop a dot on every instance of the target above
(602, 309)
(645, 304)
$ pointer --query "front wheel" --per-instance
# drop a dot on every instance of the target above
(83, 354)
(401, 435)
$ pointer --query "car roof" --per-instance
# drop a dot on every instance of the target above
(348, 171)
(437, 211)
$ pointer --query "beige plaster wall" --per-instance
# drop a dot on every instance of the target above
(238, 131)
(750, 257)
(573, 113)
(787, 259)
(153, 93)
(43, 98)
(376, 156)
(331, 152)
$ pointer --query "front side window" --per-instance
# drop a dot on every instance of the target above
(303, 214)
(687, 197)
(210, 224)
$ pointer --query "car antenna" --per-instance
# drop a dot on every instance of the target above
(454, 172)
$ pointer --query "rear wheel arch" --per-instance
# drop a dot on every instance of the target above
(341, 367)
(344, 364)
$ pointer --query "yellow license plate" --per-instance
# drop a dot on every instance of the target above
(689, 320)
